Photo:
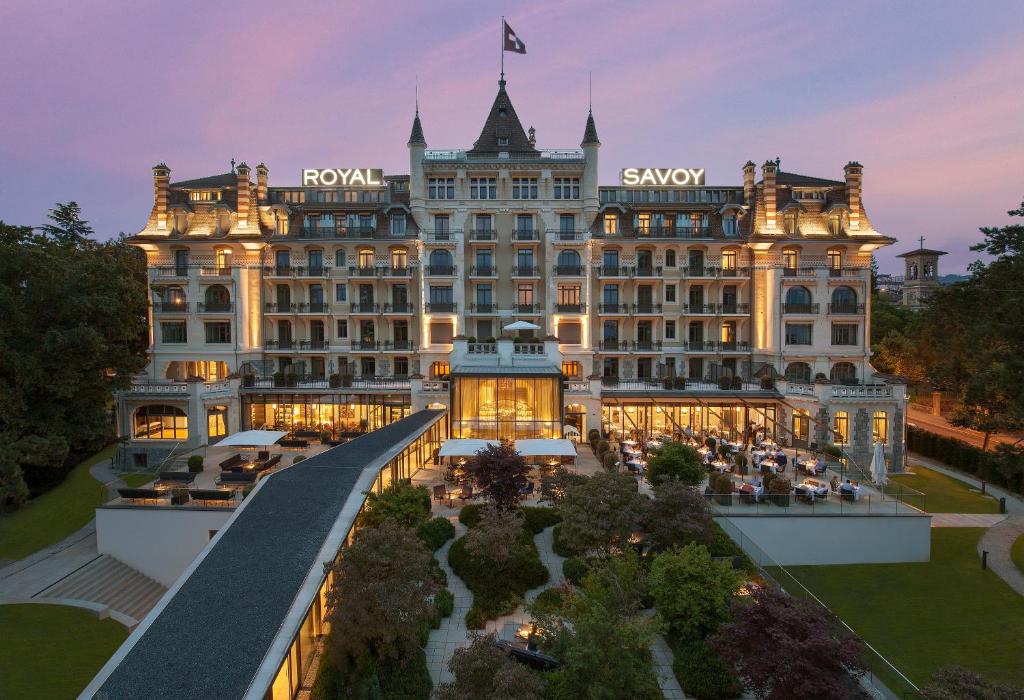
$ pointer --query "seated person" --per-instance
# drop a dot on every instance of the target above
(834, 484)
(781, 458)
(847, 487)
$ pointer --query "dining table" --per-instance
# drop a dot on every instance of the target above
(722, 466)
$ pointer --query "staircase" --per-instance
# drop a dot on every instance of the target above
(107, 581)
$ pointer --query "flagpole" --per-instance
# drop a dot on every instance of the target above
(501, 45)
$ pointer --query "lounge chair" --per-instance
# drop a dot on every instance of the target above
(177, 477)
(219, 495)
(143, 494)
(440, 492)
(467, 493)
(231, 463)
(237, 479)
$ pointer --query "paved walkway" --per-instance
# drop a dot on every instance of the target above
(663, 658)
(452, 633)
(966, 519)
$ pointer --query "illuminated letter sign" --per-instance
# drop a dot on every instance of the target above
(341, 177)
(662, 177)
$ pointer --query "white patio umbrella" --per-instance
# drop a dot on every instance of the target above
(522, 326)
(878, 472)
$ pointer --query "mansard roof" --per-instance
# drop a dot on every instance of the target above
(794, 179)
(225, 180)
(502, 123)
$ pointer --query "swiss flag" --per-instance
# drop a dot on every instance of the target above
(512, 42)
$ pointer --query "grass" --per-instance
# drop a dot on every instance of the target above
(52, 651)
(136, 479)
(925, 616)
(54, 515)
(1017, 553)
(944, 494)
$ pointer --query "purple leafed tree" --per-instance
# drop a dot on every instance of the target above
(499, 473)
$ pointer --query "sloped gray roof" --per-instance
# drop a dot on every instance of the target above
(502, 123)
(416, 137)
(590, 132)
(225, 180)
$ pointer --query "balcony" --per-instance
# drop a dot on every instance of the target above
(525, 271)
(483, 234)
(366, 345)
(647, 308)
(483, 271)
(399, 346)
(530, 309)
(172, 271)
(215, 307)
(361, 271)
(528, 349)
(734, 309)
(647, 271)
(483, 308)
(317, 271)
(613, 271)
(846, 271)
(846, 309)
(171, 307)
(525, 234)
(699, 271)
(278, 270)
(441, 270)
(733, 346)
(447, 237)
(279, 307)
(562, 236)
(352, 233)
(442, 307)
(646, 346)
(613, 346)
(316, 307)
(277, 345)
(733, 272)
(214, 271)
(364, 307)
(699, 309)
(801, 308)
(568, 271)
(699, 346)
(312, 345)
(613, 308)
(482, 348)
(661, 232)
(800, 272)
(571, 308)
(403, 272)
(398, 308)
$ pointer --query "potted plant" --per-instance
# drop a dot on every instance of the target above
(820, 378)
(608, 461)
(471, 339)
(779, 489)
(278, 379)
(768, 383)
(491, 340)
(334, 381)
(346, 380)
(195, 464)
(602, 447)
(679, 383)
(248, 380)
(737, 382)
(741, 464)
(723, 489)
(667, 383)
(724, 383)
(724, 451)
(179, 497)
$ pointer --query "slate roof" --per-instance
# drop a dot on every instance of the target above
(225, 180)
(590, 132)
(416, 137)
(793, 179)
(502, 122)
(213, 634)
(921, 251)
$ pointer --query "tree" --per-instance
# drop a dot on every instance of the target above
(691, 591)
(789, 649)
(604, 647)
(601, 514)
(405, 504)
(959, 683)
(555, 484)
(500, 473)
(677, 515)
(13, 490)
(496, 536)
(68, 227)
(382, 596)
(675, 460)
(482, 671)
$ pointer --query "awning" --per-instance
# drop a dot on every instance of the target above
(546, 448)
(463, 447)
(252, 438)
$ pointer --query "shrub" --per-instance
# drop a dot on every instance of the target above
(722, 485)
(602, 447)
(691, 591)
(779, 488)
(548, 601)
(497, 591)
(724, 451)
(444, 601)
(593, 434)
(470, 515)
(703, 674)
(407, 505)
(298, 458)
(677, 461)
(737, 382)
(536, 519)
(195, 464)
(559, 546)
(482, 670)
(608, 461)
(500, 474)
(574, 569)
(710, 443)
(179, 497)
(434, 533)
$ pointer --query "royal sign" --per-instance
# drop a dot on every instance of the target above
(662, 177)
(342, 177)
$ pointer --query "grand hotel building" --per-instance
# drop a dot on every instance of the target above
(352, 298)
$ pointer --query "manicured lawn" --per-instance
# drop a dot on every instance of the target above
(52, 651)
(924, 616)
(944, 494)
(137, 479)
(54, 515)
(1017, 553)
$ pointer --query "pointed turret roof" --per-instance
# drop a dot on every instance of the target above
(590, 133)
(416, 138)
(502, 131)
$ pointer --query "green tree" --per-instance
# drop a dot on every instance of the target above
(675, 461)
(496, 537)
(601, 514)
(401, 502)
(677, 515)
(68, 227)
(691, 591)
(481, 671)
(13, 490)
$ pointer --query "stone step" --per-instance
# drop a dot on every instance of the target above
(107, 581)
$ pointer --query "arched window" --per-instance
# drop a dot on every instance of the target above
(798, 372)
(217, 298)
(160, 423)
(912, 271)
(440, 260)
(798, 300)
(843, 373)
(174, 297)
(844, 300)
(568, 261)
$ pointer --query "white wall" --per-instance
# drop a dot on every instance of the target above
(824, 539)
(159, 542)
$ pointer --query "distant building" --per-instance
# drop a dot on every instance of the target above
(921, 277)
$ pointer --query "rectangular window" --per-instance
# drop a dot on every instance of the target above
(340, 292)
(342, 328)
(525, 295)
(441, 188)
(567, 223)
(441, 224)
(696, 332)
(483, 188)
(611, 294)
(173, 332)
(611, 224)
(729, 225)
(484, 330)
(440, 295)
(798, 333)
(205, 196)
(524, 260)
(670, 258)
(610, 332)
(567, 188)
(670, 294)
(844, 333)
(880, 426)
(569, 294)
(841, 428)
(728, 259)
(367, 367)
(398, 224)
(524, 188)
(790, 259)
(218, 332)
(401, 367)
(571, 369)
(484, 294)
(670, 330)
(643, 224)
(440, 369)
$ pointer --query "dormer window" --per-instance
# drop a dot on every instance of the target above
(611, 224)
(789, 223)
(205, 196)
(729, 225)
(503, 140)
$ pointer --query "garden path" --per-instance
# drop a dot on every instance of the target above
(452, 633)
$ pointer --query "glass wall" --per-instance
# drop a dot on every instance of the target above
(731, 421)
(338, 414)
(511, 408)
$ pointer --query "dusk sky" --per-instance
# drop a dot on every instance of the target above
(929, 96)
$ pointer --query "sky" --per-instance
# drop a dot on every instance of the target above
(927, 95)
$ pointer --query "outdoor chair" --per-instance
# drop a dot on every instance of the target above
(142, 494)
(177, 477)
(440, 492)
(237, 478)
(467, 493)
(293, 443)
(219, 495)
(231, 462)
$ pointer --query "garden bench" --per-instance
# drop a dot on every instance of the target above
(211, 494)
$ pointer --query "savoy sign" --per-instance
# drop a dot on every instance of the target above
(662, 177)
(342, 177)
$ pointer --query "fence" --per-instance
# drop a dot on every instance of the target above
(885, 679)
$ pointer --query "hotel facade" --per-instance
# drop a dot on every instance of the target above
(351, 299)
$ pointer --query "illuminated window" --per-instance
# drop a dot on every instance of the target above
(223, 260)
(571, 369)
(525, 295)
(790, 259)
(205, 196)
(160, 423)
(441, 188)
(728, 259)
(835, 259)
(366, 258)
(643, 224)
(483, 188)
(569, 294)
(399, 258)
(789, 223)
(567, 188)
(611, 224)
(841, 428)
(728, 333)
(880, 426)
(216, 421)
(524, 188)
(440, 370)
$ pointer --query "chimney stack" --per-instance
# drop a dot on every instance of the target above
(853, 171)
(769, 170)
(749, 172)
(262, 175)
(161, 193)
(243, 194)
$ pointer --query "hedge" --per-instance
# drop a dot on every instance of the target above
(434, 533)
(536, 519)
(962, 456)
(497, 592)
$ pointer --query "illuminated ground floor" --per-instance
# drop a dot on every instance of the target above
(338, 414)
